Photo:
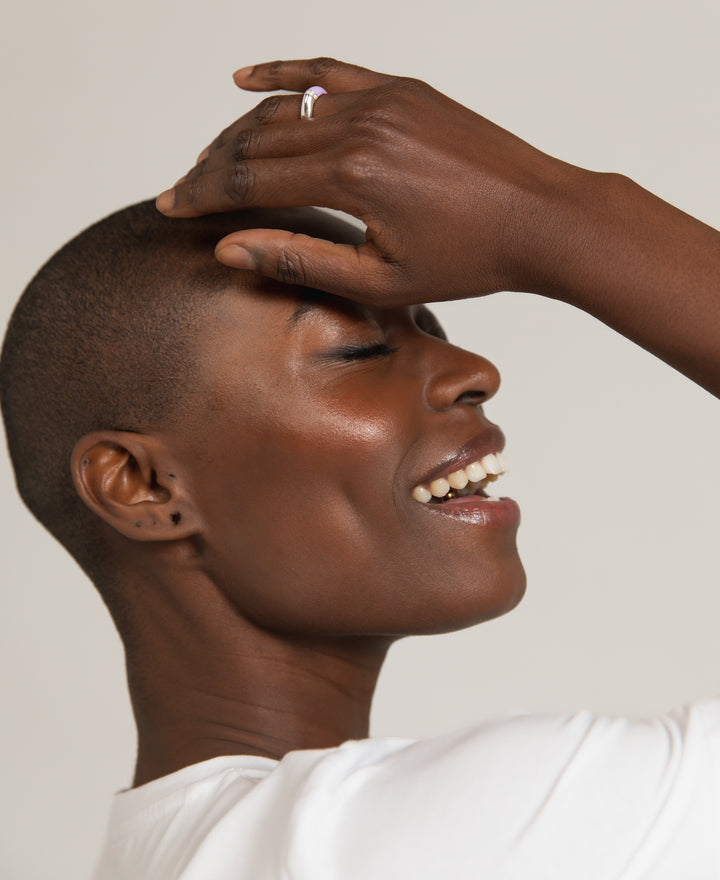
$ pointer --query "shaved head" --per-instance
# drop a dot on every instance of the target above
(104, 338)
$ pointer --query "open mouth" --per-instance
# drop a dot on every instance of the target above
(470, 480)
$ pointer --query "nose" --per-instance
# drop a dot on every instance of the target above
(456, 377)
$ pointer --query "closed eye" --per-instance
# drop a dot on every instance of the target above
(361, 352)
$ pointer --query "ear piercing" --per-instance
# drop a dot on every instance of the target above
(175, 517)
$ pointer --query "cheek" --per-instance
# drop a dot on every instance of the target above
(307, 532)
(300, 510)
(337, 559)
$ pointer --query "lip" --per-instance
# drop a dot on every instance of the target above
(490, 440)
(504, 513)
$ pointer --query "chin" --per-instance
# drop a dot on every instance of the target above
(488, 599)
(459, 599)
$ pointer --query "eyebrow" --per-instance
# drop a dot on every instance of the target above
(317, 299)
(302, 309)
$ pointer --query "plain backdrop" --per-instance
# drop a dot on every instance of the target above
(614, 456)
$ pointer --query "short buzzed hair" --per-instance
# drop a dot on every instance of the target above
(104, 338)
(100, 339)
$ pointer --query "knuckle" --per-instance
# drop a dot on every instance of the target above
(357, 168)
(275, 68)
(404, 92)
(223, 137)
(193, 190)
(244, 145)
(410, 84)
(375, 121)
(322, 66)
(240, 185)
(267, 108)
(289, 268)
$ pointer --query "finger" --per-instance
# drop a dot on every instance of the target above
(285, 140)
(266, 183)
(276, 108)
(300, 75)
(232, 144)
(355, 272)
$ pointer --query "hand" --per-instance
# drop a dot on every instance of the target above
(454, 205)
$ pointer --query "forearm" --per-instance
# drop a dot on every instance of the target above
(643, 267)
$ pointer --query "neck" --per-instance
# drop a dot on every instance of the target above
(210, 683)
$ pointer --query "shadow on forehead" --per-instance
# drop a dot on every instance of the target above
(165, 252)
(201, 234)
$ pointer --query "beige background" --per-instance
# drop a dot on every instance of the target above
(614, 456)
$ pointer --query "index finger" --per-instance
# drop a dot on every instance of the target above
(296, 76)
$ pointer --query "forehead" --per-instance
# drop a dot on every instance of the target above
(315, 302)
(253, 304)
(187, 247)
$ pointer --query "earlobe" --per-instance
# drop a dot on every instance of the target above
(131, 482)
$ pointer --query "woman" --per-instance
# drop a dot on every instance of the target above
(305, 501)
(456, 207)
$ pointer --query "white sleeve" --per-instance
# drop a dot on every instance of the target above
(526, 797)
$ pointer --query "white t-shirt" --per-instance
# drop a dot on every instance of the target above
(528, 797)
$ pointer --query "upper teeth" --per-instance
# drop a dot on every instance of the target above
(489, 466)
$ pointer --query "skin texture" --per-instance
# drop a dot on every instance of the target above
(270, 545)
(268, 608)
(455, 207)
(330, 450)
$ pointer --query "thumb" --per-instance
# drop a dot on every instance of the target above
(354, 271)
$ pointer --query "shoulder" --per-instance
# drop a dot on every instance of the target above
(496, 798)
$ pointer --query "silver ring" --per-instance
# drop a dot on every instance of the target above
(308, 101)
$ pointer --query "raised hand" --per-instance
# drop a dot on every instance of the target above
(454, 205)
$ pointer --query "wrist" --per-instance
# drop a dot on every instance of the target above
(574, 215)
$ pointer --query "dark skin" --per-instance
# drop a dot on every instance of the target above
(266, 614)
(455, 207)
(270, 544)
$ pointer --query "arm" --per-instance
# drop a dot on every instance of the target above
(645, 268)
(454, 207)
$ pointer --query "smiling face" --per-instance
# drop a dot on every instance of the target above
(317, 421)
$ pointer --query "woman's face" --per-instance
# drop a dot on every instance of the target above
(318, 419)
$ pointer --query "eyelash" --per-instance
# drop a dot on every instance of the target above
(364, 352)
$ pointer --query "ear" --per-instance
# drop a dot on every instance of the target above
(132, 482)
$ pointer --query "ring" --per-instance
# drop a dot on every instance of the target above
(308, 101)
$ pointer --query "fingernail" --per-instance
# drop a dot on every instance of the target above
(243, 72)
(203, 156)
(236, 256)
(165, 201)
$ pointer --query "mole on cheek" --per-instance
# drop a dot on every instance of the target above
(175, 518)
